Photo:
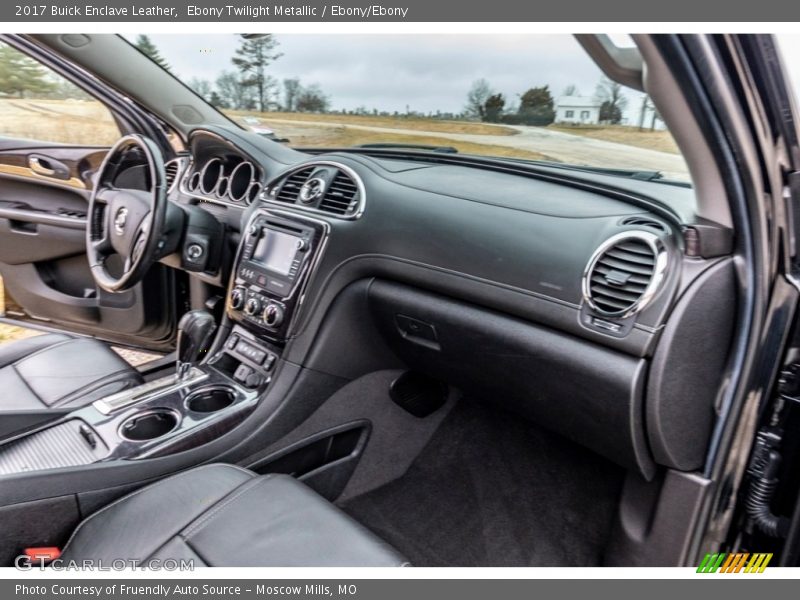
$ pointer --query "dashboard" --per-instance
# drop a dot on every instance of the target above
(571, 279)
(585, 254)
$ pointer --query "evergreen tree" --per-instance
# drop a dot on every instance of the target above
(22, 76)
(146, 45)
(493, 108)
(536, 106)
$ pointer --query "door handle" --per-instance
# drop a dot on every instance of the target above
(37, 165)
(48, 167)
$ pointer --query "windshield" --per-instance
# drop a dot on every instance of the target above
(533, 97)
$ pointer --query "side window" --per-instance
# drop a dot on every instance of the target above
(38, 104)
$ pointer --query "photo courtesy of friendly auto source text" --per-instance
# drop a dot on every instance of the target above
(352, 299)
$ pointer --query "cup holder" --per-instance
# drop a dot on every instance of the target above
(210, 399)
(149, 425)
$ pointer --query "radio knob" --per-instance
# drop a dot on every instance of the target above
(255, 230)
(237, 298)
(252, 306)
(273, 315)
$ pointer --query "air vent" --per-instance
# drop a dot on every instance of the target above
(172, 169)
(290, 189)
(624, 273)
(341, 197)
(322, 187)
(645, 222)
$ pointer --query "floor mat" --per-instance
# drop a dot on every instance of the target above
(492, 490)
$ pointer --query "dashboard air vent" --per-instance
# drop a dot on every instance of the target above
(624, 273)
(341, 198)
(290, 189)
(645, 222)
(172, 169)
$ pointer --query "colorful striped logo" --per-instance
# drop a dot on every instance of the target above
(742, 562)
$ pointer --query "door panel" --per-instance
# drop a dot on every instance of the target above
(44, 192)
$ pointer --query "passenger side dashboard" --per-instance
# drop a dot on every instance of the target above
(589, 304)
(551, 299)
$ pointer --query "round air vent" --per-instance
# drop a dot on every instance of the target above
(624, 273)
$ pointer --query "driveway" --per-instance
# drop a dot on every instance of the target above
(558, 145)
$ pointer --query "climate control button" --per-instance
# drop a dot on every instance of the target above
(273, 315)
(237, 298)
(252, 306)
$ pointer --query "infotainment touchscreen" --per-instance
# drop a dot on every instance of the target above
(276, 251)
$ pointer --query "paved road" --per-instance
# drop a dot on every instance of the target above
(560, 146)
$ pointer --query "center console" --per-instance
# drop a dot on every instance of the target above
(275, 261)
(207, 395)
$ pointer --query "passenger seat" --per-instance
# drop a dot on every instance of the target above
(222, 515)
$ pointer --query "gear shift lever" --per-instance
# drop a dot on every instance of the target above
(195, 332)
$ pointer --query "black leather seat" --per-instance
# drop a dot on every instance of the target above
(60, 371)
(222, 515)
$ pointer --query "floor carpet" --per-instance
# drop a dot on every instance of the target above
(490, 489)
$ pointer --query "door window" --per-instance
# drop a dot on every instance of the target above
(38, 104)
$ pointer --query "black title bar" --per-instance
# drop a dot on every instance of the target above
(348, 11)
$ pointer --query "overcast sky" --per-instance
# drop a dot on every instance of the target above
(388, 72)
(790, 49)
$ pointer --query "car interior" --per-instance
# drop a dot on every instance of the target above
(368, 356)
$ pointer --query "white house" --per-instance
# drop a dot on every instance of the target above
(577, 110)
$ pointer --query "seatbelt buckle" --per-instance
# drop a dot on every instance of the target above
(42, 554)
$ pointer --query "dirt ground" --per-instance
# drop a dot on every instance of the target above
(11, 333)
(621, 134)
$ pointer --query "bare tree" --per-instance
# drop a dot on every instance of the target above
(202, 87)
(234, 92)
(648, 108)
(571, 90)
(614, 102)
(291, 91)
(252, 58)
(312, 99)
(477, 96)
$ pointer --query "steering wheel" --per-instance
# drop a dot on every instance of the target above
(124, 224)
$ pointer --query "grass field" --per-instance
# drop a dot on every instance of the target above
(622, 134)
(329, 137)
(87, 122)
(399, 122)
(64, 121)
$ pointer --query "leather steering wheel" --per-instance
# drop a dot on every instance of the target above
(124, 225)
